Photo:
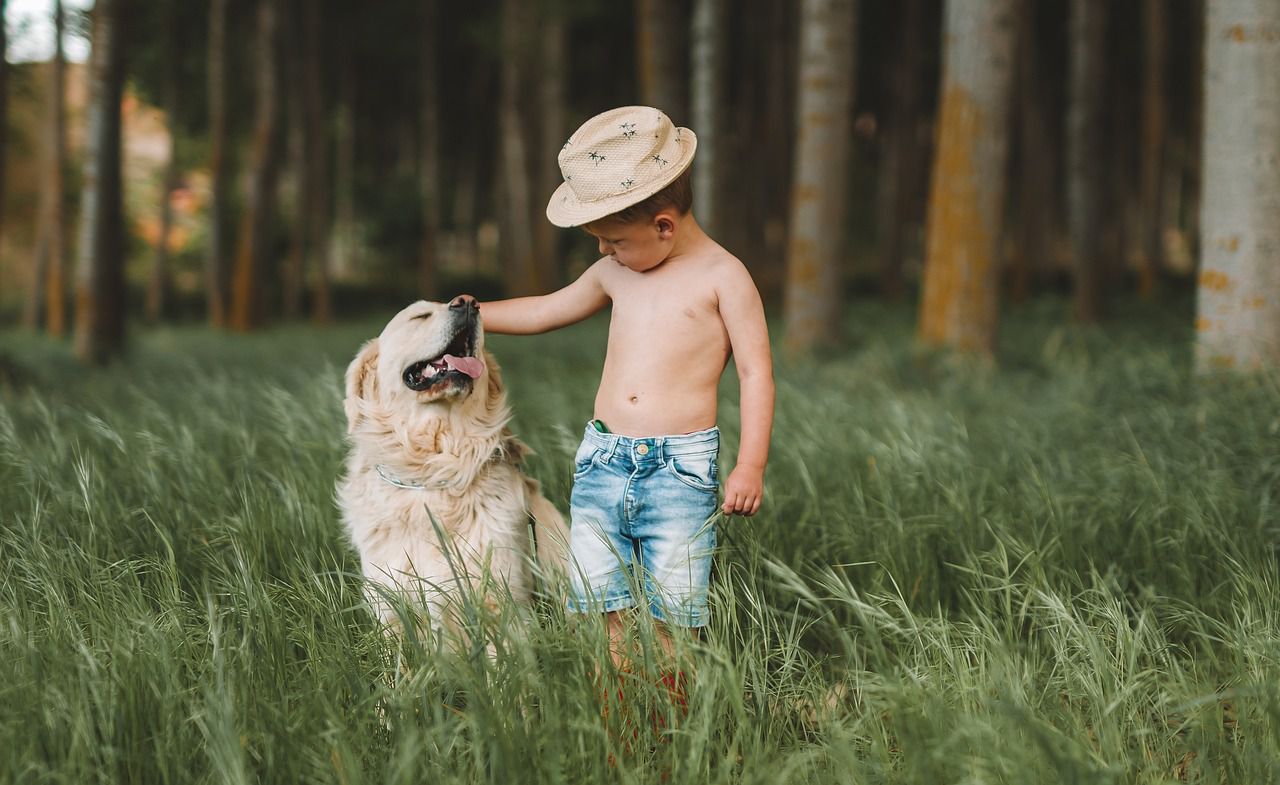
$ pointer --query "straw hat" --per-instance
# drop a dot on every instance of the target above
(617, 159)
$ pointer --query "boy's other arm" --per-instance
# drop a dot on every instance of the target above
(540, 314)
(743, 316)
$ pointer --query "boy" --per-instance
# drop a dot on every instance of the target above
(645, 475)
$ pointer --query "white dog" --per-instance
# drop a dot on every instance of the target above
(433, 493)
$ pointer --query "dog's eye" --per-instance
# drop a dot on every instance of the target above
(426, 315)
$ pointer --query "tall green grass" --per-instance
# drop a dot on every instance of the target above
(1063, 570)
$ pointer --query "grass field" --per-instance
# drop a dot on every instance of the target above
(1061, 571)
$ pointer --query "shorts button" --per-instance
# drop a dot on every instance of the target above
(642, 449)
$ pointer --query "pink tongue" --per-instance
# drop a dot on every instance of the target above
(471, 366)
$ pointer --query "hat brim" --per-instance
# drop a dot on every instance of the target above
(566, 210)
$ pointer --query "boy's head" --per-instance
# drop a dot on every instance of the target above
(626, 165)
(641, 236)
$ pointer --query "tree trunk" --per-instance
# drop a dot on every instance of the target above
(158, 284)
(100, 267)
(254, 243)
(319, 197)
(1238, 301)
(344, 253)
(660, 53)
(294, 271)
(1085, 152)
(960, 302)
(1035, 202)
(899, 154)
(815, 249)
(517, 227)
(4, 113)
(218, 280)
(707, 60)
(1151, 244)
(429, 154)
(552, 113)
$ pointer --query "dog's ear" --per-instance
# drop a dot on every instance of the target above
(362, 381)
(494, 391)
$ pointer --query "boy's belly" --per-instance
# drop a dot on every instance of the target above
(656, 405)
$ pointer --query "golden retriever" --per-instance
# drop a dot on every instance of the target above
(433, 496)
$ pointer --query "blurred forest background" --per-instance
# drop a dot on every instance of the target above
(251, 161)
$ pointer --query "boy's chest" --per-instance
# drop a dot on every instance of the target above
(669, 300)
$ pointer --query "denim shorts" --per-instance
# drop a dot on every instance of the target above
(641, 510)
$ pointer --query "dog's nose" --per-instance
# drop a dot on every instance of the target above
(464, 301)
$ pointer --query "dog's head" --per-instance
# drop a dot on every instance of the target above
(428, 361)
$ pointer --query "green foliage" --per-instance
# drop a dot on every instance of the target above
(1060, 571)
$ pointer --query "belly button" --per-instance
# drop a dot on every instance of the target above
(635, 399)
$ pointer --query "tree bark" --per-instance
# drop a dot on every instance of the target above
(816, 244)
(254, 243)
(1154, 121)
(1238, 297)
(517, 228)
(344, 183)
(100, 267)
(293, 272)
(1085, 152)
(218, 282)
(960, 302)
(429, 153)
(552, 111)
(4, 112)
(47, 298)
(707, 60)
(899, 154)
(159, 282)
(1035, 202)
(660, 52)
(319, 197)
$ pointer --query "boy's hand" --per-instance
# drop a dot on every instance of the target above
(743, 491)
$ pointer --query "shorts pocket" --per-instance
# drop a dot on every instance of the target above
(698, 471)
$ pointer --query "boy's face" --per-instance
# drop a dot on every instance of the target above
(639, 246)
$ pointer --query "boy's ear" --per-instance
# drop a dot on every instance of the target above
(362, 381)
(665, 224)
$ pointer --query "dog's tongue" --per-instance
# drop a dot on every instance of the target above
(471, 366)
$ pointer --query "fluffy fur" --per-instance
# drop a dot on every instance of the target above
(447, 437)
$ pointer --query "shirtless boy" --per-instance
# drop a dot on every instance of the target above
(645, 479)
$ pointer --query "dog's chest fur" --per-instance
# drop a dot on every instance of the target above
(399, 531)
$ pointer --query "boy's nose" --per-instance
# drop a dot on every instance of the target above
(605, 250)
(464, 302)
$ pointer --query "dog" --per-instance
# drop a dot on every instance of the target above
(433, 496)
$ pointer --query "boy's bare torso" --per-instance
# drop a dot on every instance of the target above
(668, 346)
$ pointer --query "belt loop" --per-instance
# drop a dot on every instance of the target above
(660, 445)
(614, 441)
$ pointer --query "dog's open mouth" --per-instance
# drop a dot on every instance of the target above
(458, 361)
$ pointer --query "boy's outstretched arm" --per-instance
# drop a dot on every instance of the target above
(542, 313)
(743, 316)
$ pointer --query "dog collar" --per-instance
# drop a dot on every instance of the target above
(396, 481)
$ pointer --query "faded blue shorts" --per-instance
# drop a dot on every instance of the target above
(641, 510)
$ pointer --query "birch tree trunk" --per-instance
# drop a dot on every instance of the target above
(1085, 153)
(660, 53)
(158, 283)
(707, 61)
(960, 301)
(100, 266)
(217, 283)
(429, 153)
(520, 271)
(820, 178)
(1238, 297)
(254, 243)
